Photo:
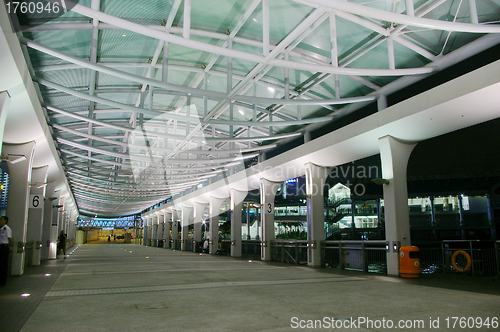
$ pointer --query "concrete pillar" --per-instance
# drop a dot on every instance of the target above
(49, 243)
(36, 211)
(154, 229)
(214, 210)
(4, 109)
(267, 194)
(144, 230)
(147, 231)
(254, 229)
(491, 221)
(186, 216)
(315, 182)
(394, 155)
(161, 227)
(248, 220)
(56, 220)
(17, 200)
(198, 221)
(237, 197)
(166, 229)
(461, 216)
(60, 216)
(176, 219)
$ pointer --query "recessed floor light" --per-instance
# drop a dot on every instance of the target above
(25, 295)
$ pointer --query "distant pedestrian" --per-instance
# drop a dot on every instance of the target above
(5, 248)
(62, 243)
(205, 246)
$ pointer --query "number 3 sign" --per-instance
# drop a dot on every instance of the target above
(269, 208)
(36, 201)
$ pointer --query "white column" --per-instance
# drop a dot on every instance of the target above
(198, 220)
(247, 216)
(315, 181)
(17, 200)
(254, 229)
(47, 241)
(166, 229)
(144, 229)
(161, 227)
(36, 211)
(4, 109)
(394, 155)
(147, 231)
(267, 193)
(154, 229)
(214, 210)
(56, 220)
(237, 197)
(186, 216)
(175, 227)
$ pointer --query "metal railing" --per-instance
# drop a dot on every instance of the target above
(366, 256)
(371, 255)
(175, 244)
(250, 248)
(482, 254)
(289, 251)
(189, 246)
(497, 257)
(431, 258)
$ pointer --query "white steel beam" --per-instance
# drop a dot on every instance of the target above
(388, 16)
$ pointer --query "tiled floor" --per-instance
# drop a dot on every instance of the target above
(36, 281)
(117, 287)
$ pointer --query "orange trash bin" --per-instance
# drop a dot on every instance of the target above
(409, 262)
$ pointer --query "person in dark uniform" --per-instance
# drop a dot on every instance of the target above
(62, 242)
(5, 248)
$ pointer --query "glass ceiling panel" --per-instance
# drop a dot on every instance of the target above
(361, 48)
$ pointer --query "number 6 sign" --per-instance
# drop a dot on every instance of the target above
(36, 201)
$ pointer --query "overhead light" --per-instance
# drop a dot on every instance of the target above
(13, 158)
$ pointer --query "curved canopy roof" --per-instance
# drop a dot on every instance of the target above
(147, 99)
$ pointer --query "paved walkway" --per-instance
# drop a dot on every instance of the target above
(120, 287)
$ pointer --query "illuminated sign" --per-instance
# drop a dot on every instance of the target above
(106, 224)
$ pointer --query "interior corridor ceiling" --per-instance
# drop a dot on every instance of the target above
(147, 99)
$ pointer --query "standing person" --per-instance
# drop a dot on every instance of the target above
(205, 246)
(62, 242)
(5, 248)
